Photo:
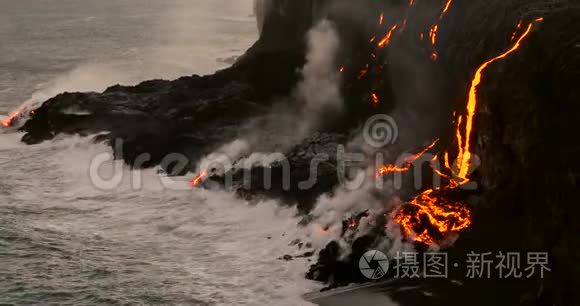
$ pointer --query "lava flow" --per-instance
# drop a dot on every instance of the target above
(435, 29)
(432, 215)
(9, 121)
(380, 41)
(406, 166)
(385, 41)
(375, 98)
(198, 179)
(464, 142)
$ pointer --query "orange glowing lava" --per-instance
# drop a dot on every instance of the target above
(518, 27)
(433, 34)
(434, 55)
(375, 98)
(391, 169)
(8, 121)
(363, 71)
(433, 214)
(198, 179)
(387, 38)
(464, 148)
(445, 9)
(434, 30)
(406, 166)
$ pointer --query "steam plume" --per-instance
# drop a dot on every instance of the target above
(319, 91)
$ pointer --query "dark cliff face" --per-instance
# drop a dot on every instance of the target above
(284, 24)
(529, 169)
(525, 129)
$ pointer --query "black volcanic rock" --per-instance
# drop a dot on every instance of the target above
(524, 128)
(308, 170)
(185, 116)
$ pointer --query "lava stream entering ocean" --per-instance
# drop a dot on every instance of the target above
(9, 121)
(198, 179)
(464, 156)
(406, 166)
(432, 215)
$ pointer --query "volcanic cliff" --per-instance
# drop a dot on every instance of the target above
(524, 129)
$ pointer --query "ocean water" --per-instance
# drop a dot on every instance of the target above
(63, 238)
(48, 46)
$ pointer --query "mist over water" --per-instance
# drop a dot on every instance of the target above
(52, 46)
(65, 241)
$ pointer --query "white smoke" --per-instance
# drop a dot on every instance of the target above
(223, 159)
(319, 91)
(332, 209)
(238, 154)
(316, 98)
(317, 95)
(263, 159)
(352, 199)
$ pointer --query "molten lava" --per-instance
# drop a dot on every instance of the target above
(433, 214)
(198, 179)
(435, 29)
(518, 27)
(406, 166)
(433, 34)
(464, 141)
(445, 9)
(387, 38)
(363, 71)
(9, 121)
(374, 66)
(375, 98)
